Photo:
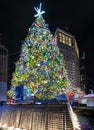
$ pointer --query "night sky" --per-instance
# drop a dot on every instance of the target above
(16, 16)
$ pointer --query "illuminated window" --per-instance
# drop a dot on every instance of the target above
(63, 41)
(60, 39)
(69, 41)
(66, 39)
(63, 38)
(60, 35)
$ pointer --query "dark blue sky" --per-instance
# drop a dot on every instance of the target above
(16, 16)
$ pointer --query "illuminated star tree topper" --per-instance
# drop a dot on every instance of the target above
(38, 10)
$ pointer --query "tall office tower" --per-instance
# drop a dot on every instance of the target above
(3, 64)
(3, 72)
(68, 46)
(83, 82)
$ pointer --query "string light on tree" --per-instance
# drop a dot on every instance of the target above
(40, 70)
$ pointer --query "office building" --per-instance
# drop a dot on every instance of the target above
(68, 46)
(83, 82)
(3, 72)
(3, 64)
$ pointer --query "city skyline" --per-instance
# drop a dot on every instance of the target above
(74, 17)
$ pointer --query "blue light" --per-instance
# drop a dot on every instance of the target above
(38, 103)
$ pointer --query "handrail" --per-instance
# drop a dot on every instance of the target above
(75, 122)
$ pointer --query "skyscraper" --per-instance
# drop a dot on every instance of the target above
(83, 74)
(68, 46)
(3, 64)
(3, 72)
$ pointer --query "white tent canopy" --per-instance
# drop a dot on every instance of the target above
(91, 95)
(88, 99)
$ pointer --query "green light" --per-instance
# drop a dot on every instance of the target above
(83, 57)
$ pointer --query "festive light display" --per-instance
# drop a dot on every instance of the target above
(40, 68)
(39, 12)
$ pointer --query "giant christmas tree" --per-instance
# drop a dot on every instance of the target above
(40, 68)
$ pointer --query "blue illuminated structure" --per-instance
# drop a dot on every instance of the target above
(19, 93)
